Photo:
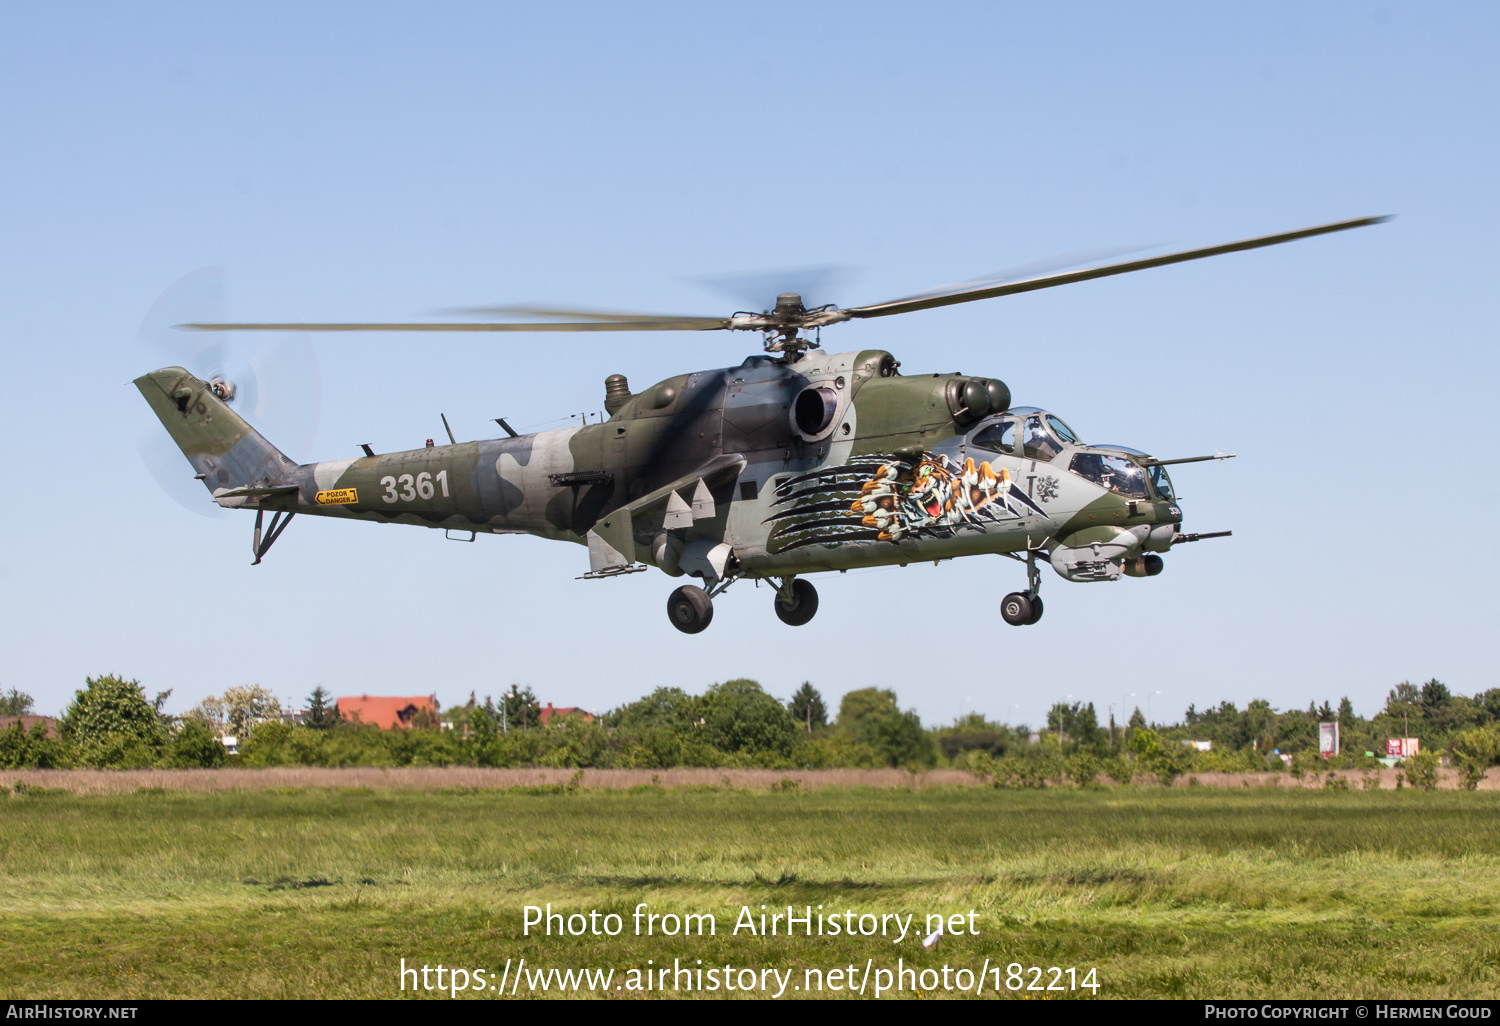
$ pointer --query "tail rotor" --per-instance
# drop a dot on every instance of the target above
(271, 381)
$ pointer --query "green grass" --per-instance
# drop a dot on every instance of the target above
(1182, 893)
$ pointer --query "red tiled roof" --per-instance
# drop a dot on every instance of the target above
(548, 712)
(385, 711)
(27, 722)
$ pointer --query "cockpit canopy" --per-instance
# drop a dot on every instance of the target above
(1034, 434)
(1117, 473)
(1042, 434)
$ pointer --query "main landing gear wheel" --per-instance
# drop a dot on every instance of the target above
(1036, 610)
(690, 609)
(803, 606)
(1015, 609)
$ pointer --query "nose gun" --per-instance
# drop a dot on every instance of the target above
(1178, 539)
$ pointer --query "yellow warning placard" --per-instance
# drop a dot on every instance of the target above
(338, 497)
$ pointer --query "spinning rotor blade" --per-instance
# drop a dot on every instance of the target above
(1031, 269)
(586, 315)
(929, 300)
(277, 382)
(790, 314)
(195, 294)
(642, 324)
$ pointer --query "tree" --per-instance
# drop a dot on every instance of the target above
(483, 721)
(1435, 695)
(246, 706)
(858, 710)
(1421, 770)
(740, 717)
(426, 718)
(1402, 705)
(973, 733)
(1489, 705)
(520, 709)
(1165, 759)
(900, 739)
(1083, 766)
(807, 708)
(321, 713)
(15, 703)
(670, 708)
(458, 716)
(195, 745)
(1077, 723)
(1475, 752)
(113, 724)
(211, 711)
(870, 715)
(19, 749)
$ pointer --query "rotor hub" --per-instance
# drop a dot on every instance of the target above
(789, 304)
(222, 387)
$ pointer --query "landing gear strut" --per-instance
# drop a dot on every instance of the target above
(690, 609)
(1023, 608)
(796, 601)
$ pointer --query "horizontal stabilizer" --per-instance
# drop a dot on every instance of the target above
(241, 493)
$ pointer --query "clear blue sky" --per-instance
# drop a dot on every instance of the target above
(369, 161)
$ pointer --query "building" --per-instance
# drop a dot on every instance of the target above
(28, 722)
(548, 711)
(389, 712)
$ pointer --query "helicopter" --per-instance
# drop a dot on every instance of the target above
(795, 462)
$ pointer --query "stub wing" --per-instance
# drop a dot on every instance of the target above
(676, 505)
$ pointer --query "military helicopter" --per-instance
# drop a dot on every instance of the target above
(794, 462)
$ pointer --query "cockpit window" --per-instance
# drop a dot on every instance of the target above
(1162, 483)
(1038, 441)
(1116, 473)
(999, 437)
(1062, 430)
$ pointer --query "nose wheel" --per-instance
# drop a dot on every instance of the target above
(1024, 608)
(1020, 609)
(690, 609)
(796, 601)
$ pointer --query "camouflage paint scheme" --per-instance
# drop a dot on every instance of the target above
(710, 474)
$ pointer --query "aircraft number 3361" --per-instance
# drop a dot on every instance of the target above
(412, 488)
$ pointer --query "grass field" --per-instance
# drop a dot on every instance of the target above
(320, 892)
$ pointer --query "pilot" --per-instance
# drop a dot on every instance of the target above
(1039, 443)
(1089, 466)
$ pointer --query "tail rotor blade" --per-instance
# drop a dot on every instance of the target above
(285, 390)
(172, 473)
(276, 378)
(197, 295)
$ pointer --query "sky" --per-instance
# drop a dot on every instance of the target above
(384, 161)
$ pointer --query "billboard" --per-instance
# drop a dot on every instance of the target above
(1401, 747)
(1328, 739)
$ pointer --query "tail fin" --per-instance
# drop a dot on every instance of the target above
(226, 453)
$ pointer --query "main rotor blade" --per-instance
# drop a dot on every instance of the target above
(1032, 269)
(583, 315)
(664, 324)
(928, 301)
